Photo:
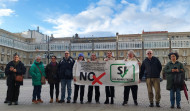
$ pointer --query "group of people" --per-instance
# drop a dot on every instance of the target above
(65, 71)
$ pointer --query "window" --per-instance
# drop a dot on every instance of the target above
(137, 54)
(121, 54)
(59, 55)
(74, 54)
(97, 54)
(105, 54)
(88, 54)
(184, 52)
(31, 55)
(3, 50)
(2, 58)
(30, 62)
(45, 62)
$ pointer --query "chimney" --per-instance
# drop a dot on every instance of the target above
(38, 29)
(117, 33)
(76, 35)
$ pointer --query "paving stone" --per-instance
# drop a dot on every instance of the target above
(25, 100)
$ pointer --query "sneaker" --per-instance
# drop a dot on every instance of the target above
(34, 101)
(106, 102)
(61, 101)
(88, 102)
(16, 103)
(97, 102)
(81, 102)
(178, 107)
(136, 103)
(151, 105)
(74, 102)
(68, 101)
(157, 105)
(51, 101)
(10, 103)
(124, 103)
(6, 101)
(40, 101)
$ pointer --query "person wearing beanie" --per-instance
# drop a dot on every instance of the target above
(76, 87)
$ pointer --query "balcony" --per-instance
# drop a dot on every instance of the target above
(2, 52)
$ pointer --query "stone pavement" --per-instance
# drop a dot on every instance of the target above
(25, 100)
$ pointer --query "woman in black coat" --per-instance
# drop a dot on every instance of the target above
(13, 69)
(52, 77)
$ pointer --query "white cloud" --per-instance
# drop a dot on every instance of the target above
(6, 12)
(124, 2)
(144, 4)
(108, 17)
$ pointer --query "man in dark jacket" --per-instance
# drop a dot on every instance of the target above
(13, 69)
(152, 67)
(66, 75)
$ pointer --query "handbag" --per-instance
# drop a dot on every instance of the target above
(43, 79)
(19, 78)
(178, 79)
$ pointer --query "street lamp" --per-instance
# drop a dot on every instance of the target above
(48, 54)
(185, 63)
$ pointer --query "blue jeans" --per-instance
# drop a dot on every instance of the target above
(37, 92)
(64, 83)
(172, 97)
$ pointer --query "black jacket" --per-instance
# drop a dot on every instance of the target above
(21, 70)
(52, 73)
(151, 68)
(65, 68)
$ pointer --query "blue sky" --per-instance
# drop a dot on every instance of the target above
(88, 18)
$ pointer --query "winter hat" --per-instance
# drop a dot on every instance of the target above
(81, 54)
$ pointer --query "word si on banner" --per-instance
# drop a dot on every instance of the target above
(108, 73)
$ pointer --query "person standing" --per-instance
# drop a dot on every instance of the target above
(134, 88)
(37, 71)
(152, 67)
(90, 87)
(80, 58)
(14, 68)
(52, 78)
(110, 90)
(174, 72)
(66, 76)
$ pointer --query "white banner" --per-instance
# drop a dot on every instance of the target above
(109, 73)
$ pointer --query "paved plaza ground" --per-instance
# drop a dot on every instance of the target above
(25, 100)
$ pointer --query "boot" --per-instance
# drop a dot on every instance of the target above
(157, 104)
(51, 101)
(107, 100)
(151, 105)
(136, 103)
(124, 103)
(112, 100)
(57, 100)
